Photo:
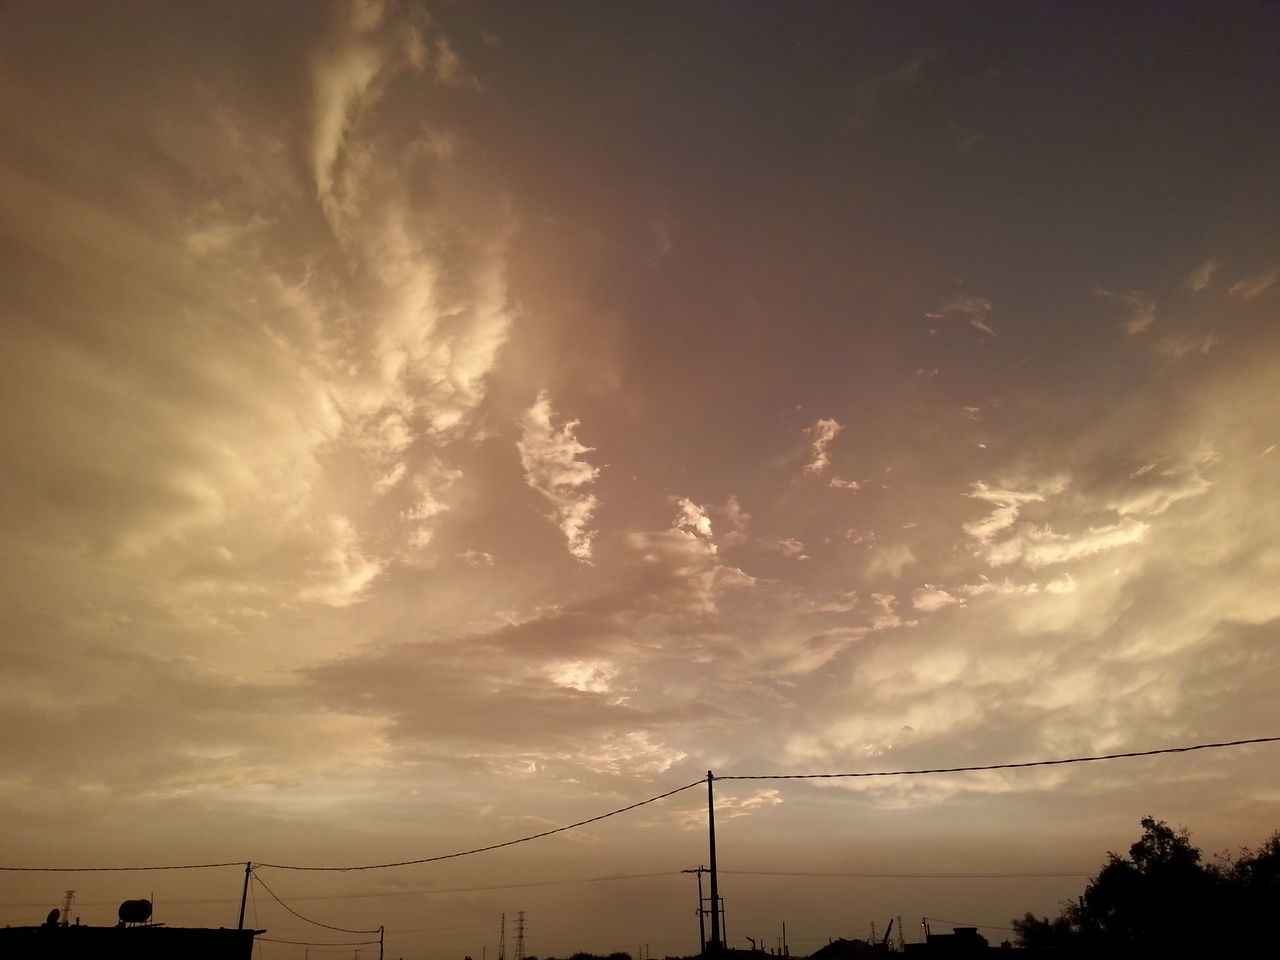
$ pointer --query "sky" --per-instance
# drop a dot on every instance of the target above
(427, 425)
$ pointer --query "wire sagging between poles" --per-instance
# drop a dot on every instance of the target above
(257, 879)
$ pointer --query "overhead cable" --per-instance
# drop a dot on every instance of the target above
(663, 796)
(327, 926)
(181, 866)
(910, 876)
(492, 846)
(957, 923)
(320, 943)
(997, 766)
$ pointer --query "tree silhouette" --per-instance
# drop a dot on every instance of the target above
(1163, 897)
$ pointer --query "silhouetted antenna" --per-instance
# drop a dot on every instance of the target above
(67, 898)
(502, 938)
(520, 935)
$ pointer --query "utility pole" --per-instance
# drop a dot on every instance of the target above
(502, 939)
(715, 944)
(244, 893)
(702, 912)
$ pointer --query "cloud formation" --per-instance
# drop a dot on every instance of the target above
(552, 463)
(973, 310)
(302, 308)
(821, 434)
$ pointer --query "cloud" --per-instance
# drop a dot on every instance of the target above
(872, 91)
(822, 433)
(340, 575)
(1175, 347)
(1154, 488)
(1201, 278)
(1008, 505)
(691, 519)
(889, 561)
(887, 617)
(738, 520)
(732, 807)
(791, 548)
(371, 44)
(345, 79)
(1140, 307)
(1003, 540)
(1037, 545)
(1253, 287)
(929, 598)
(974, 310)
(843, 603)
(553, 467)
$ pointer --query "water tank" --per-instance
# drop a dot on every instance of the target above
(135, 911)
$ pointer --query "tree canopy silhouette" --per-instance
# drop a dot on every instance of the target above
(1163, 896)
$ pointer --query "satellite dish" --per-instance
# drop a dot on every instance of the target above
(52, 919)
(135, 911)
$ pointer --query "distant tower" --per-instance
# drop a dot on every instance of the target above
(502, 939)
(520, 935)
(69, 896)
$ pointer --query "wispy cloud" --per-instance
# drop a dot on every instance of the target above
(1037, 545)
(738, 521)
(792, 548)
(1154, 488)
(974, 310)
(1008, 504)
(1176, 347)
(340, 572)
(553, 467)
(929, 598)
(872, 91)
(821, 435)
(1252, 287)
(1140, 309)
(1201, 278)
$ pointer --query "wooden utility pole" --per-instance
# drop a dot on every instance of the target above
(702, 909)
(714, 945)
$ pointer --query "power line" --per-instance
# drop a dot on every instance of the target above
(492, 846)
(661, 796)
(321, 943)
(912, 876)
(1000, 766)
(307, 919)
(182, 866)
(957, 923)
(376, 866)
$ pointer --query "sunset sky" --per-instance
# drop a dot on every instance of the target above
(425, 425)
